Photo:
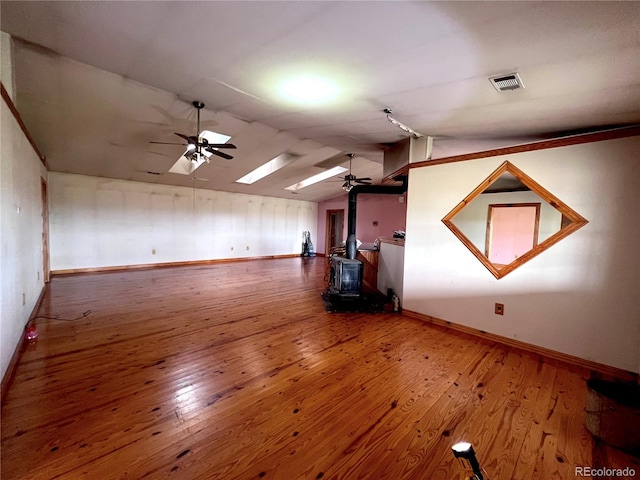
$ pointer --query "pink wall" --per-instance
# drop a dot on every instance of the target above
(512, 231)
(385, 209)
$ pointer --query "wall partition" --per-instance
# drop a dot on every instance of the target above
(579, 295)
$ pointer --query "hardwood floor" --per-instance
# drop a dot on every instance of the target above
(235, 371)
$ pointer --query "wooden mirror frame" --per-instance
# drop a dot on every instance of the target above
(577, 221)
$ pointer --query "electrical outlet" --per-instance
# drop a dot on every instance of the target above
(499, 309)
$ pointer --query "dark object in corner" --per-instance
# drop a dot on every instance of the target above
(612, 413)
(367, 302)
(307, 245)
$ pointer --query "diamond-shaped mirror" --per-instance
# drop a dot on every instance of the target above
(509, 219)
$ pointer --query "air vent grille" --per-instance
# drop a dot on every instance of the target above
(510, 81)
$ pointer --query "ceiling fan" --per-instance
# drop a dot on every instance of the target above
(200, 147)
(350, 179)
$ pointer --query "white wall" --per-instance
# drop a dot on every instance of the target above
(99, 222)
(20, 234)
(580, 297)
(390, 268)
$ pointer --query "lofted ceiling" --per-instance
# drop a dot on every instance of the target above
(95, 82)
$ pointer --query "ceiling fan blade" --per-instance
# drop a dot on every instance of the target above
(169, 143)
(191, 139)
(208, 145)
(220, 154)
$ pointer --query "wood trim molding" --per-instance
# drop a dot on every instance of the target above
(16, 115)
(608, 371)
(577, 221)
(401, 172)
(543, 145)
(75, 271)
(9, 375)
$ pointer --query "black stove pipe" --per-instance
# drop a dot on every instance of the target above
(353, 203)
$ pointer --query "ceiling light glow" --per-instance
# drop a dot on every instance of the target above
(309, 89)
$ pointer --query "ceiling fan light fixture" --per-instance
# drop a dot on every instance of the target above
(194, 156)
(199, 148)
(348, 185)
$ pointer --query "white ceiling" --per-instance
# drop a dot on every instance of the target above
(96, 81)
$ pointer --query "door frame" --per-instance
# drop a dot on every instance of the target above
(536, 224)
(327, 236)
(46, 266)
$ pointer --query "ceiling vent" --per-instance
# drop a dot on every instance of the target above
(510, 81)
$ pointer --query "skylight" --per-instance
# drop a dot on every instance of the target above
(268, 168)
(317, 178)
(213, 137)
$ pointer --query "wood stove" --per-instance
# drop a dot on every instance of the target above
(345, 277)
(345, 280)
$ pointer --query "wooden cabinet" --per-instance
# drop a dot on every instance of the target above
(370, 272)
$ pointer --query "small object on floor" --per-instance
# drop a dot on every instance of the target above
(464, 452)
(31, 333)
(396, 303)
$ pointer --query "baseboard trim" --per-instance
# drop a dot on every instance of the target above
(74, 271)
(9, 375)
(595, 367)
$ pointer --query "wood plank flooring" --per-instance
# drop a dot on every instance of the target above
(235, 371)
